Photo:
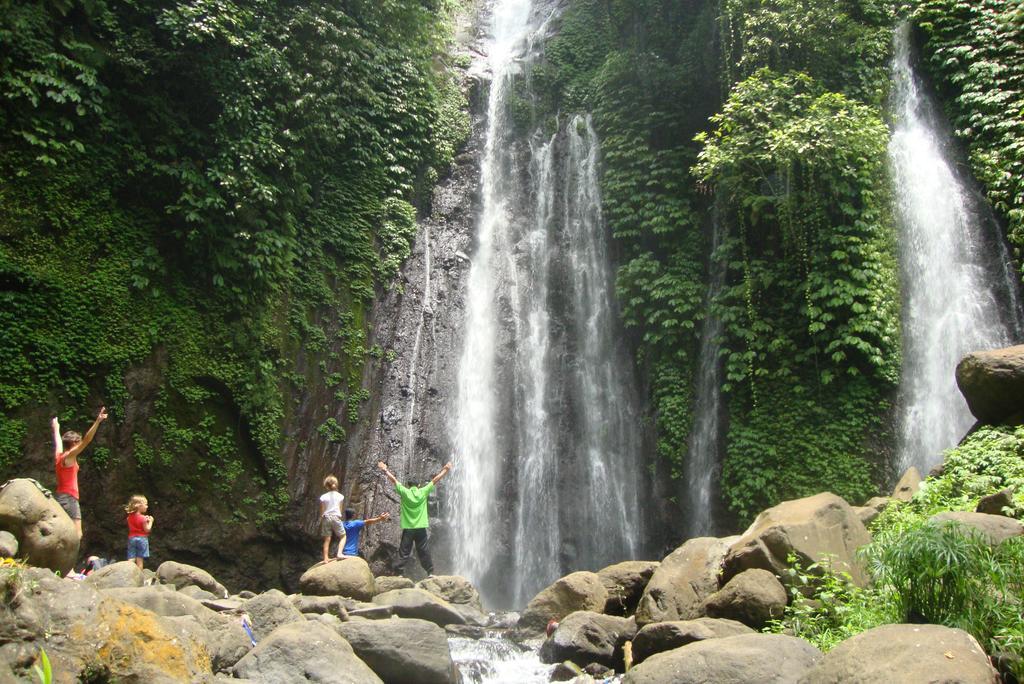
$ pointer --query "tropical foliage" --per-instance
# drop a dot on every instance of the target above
(201, 189)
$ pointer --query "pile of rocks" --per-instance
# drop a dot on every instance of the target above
(179, 624)
(698, 612)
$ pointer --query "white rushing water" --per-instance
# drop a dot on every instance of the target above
(704, 446)
(544, 425)
(953, 267)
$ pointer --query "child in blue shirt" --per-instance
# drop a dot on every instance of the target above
(354, 526)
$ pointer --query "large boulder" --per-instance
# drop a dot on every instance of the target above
(908, 485)
(416, 603)
(8, 545)
(182, 575)
(323, 605)
(395, 648)
(390, 582)
(162, 601)
(120, 574)
(46, 536)
(995, 528)
(665, 636)
(996, 504)
(270, 610)
(453, 589)
(752, 597)
(905, 653)
(349, 576)
(762, 658)
(872, 509)
(304, 652)
(576, 591)
(86, 633)
(992, 382)
(625, 583)
(584, 637)
(685, 578)
(812, 529)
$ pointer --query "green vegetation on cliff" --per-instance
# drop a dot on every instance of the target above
(766, 117)
(198, 201)
(973, 49)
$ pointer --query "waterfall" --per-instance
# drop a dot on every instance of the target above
(544, 426)
(704, 447)
(954, 289)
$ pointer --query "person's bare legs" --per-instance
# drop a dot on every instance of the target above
(327, 548)
(78, 528)
(138, 561)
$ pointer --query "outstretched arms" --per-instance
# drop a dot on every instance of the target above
(58, 443)
(391, 476)
(72, 455)
(380, 518)
(444, 471)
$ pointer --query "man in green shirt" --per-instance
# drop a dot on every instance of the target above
(414, 518)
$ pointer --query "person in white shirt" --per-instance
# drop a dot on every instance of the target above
(330, 516)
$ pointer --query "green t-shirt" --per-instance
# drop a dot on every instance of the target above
(414, 505)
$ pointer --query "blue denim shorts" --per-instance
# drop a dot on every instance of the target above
(138, 547)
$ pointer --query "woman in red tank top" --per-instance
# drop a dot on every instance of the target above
(66, 450)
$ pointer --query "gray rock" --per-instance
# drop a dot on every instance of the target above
(120, 574)
(905, 653)
(872, 509)
(453, 589)
(390, 583)
(685, 578)
(270, 610)
(996, 528)
(8, 545)
(332, 605)
(46, 610)
(761, 658)
(349, 577)
(752, 597)
(813, 529)
(372, 612)
(198, 594)
(46, 535)
(222, 605)
(395, 648)
(665, 636)
(182, 575)
(576, 591)
(625, 583)
(996, 504)
(163, 601)
(585, 637)
(304, 652)
(992, 382)
(416, 603)
(908, 485)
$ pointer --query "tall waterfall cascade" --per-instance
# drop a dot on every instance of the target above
(959, 294)
(544, 425)
(704, 447)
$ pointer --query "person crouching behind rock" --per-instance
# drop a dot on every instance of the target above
(66, 450)
(330, 516)
(139, 526)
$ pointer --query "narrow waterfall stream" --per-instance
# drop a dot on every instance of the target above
(704, 447)
(956, 278)
(545, 425)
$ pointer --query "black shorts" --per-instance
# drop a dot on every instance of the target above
(69, 504)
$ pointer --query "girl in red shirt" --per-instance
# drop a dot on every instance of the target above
(66, 450)
(139, 525)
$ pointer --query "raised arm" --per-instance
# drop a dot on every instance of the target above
(444, 471)
(149, 522)
(58, 443)
(391, 476)
(73, 452)
(380, 518)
